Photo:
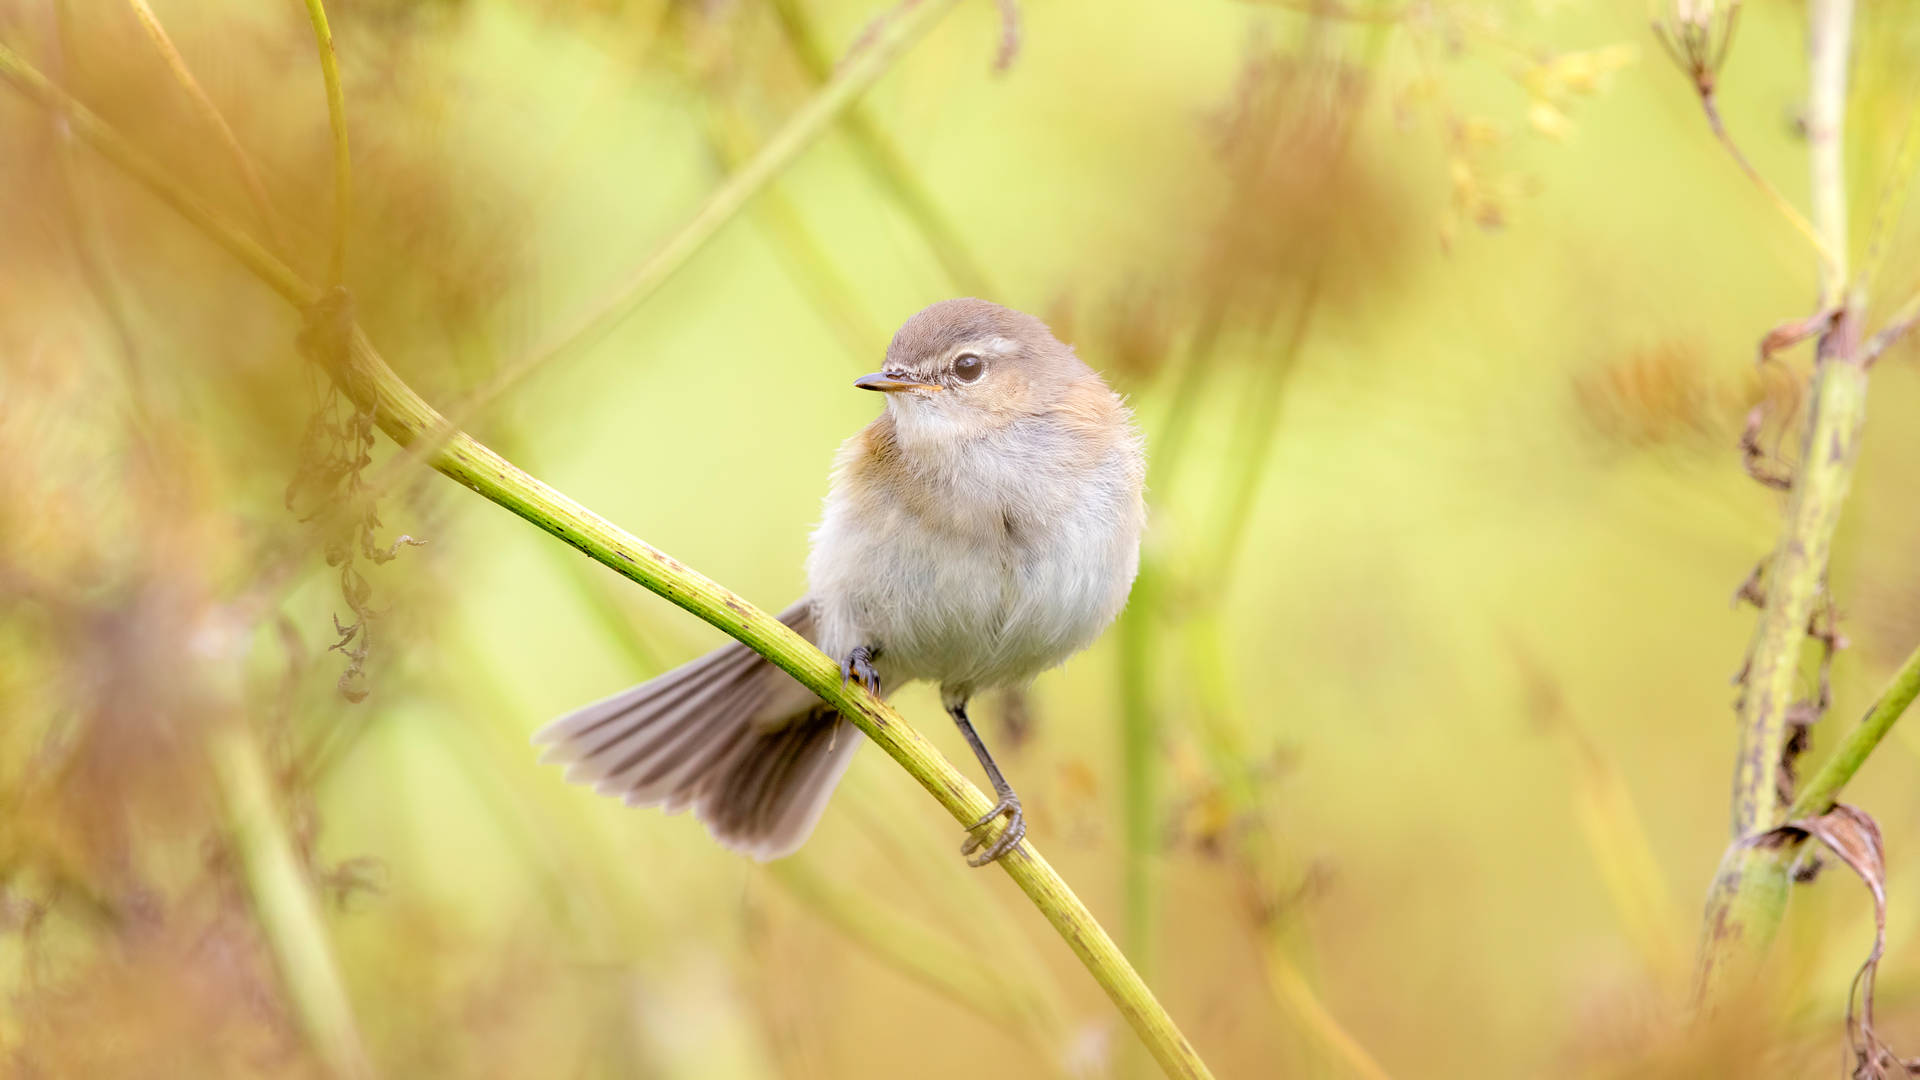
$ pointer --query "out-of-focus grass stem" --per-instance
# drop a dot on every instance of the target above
(804, 257)
(1183, 404)
(1296, 995)
(1830, 259)
(1900, 325)
(243, 165)
(1252, 844)
(115, 148)
(1251, 445)
(363, 375)
(1893, 196)
(927, 957)
(1139, 757)
(96, 260)
(1269, 879)
(286, 904)
(884, 161)
(864, 66)
(342, 160)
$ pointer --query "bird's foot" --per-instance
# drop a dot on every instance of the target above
(1016, 830)
(859, 665)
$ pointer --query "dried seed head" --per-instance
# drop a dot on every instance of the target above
(1697, 34)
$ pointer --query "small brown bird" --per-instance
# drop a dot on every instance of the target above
(985, 528)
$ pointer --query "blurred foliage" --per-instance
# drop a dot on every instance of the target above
(1440, 319)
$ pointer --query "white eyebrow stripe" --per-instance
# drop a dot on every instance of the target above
(994, 345)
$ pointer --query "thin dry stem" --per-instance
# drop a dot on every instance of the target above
(1292, 990)
(210, 113)
(1831, 264)
(342, 160)
(1901, 324)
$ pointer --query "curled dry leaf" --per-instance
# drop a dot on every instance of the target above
(1794, 331)
(1851, 834)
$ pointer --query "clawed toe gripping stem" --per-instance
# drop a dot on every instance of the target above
(1015, 831)
(859, 665)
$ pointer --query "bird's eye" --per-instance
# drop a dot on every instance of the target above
(967, 367)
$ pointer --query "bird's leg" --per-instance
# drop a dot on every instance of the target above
(859, 665)
(1008, 805)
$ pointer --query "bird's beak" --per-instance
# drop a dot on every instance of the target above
(891, 384)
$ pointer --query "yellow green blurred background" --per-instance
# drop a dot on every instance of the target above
(1412, 755)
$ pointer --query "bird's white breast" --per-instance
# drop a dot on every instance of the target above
(981, 566)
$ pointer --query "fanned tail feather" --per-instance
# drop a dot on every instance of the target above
(752, 752)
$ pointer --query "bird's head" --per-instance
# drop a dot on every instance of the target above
(967, 367)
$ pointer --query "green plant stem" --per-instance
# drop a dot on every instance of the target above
(1795, 578)
(285, 903)
(342, 160)
(363, 375)
(1798, 570)
(884, 161)
(1818, 796)
(1748, 897)
(1829, 55)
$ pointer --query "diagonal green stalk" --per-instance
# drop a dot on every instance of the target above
(1821, 791)
(860, 70)
(363, 375)
(337, 120)
(805, 259)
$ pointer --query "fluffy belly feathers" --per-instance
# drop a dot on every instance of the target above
(1006, 577)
